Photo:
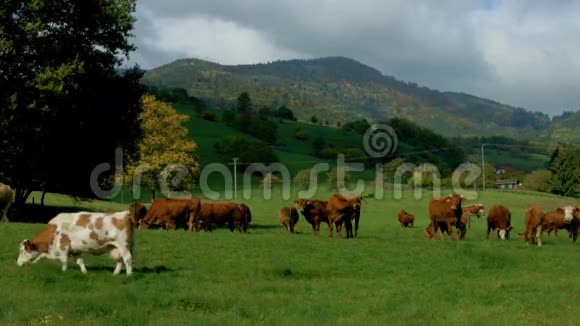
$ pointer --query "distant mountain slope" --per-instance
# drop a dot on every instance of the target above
(566, 130)
(338, 88)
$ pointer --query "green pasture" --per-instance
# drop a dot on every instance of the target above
(388, 275)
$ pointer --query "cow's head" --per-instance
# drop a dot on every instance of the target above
(429, 232)
(28, 252)
(137, 212)
(302, 204)
(356, 203)
(454, 201)
(576, 212)
(504, 234)
(568, 213)
(480, 210)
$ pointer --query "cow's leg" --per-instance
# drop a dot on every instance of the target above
(356, 219)
(488, 231)
(64, 260)
(316, 227)
(81, 264)
(539, 235)
(330, 229)
(127, 259)
(437, 228)
(449, 230)
(118, 267)
(556, 232)
(339, 231)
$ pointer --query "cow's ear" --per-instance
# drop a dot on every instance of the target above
(29, 246)
(510, 228)
(448, 200)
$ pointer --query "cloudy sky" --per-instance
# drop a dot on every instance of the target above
(523, 53)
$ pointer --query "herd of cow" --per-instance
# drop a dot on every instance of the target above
(72, 234)
(446, 213)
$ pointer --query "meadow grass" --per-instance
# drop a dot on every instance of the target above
(388, 275)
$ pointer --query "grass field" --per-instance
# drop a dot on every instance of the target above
(388, 275)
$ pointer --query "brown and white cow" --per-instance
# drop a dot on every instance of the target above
(499, 218)
(533, 221)
(289, 218)
(73, 234)
(343, 209)
(314, 212)
(444, 213)
(561, 218)
(471, 210)
(6, 200)
(172, 213)
(406, 219)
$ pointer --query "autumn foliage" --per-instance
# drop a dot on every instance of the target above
(164, 148)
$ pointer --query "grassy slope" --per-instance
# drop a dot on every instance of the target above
(299, 156)
(387, 275)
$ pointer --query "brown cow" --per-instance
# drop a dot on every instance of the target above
(247, 217)
(314, 211)
(343, 209)
(289, 218)
(406, 219)
(172, 213)
(6, 200)
(139, 211)
(471, 210)
(499, 218)
(236, 216)
(533, 223)
(561, 218)
(446, 212)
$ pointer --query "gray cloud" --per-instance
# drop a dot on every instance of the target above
(518, 52)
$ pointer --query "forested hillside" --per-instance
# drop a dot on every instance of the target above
(340, 89)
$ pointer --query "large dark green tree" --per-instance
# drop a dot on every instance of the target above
(565, 168)
(64, 108)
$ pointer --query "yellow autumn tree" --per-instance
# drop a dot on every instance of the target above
(166, 153)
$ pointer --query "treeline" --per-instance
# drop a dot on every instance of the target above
(415, 145)
(562, 173)
(503, 143)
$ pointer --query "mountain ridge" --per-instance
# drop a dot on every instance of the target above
(340, 89)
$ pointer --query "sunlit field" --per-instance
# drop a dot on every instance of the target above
(387, 275)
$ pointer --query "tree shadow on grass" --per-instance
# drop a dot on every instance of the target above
(39, 214)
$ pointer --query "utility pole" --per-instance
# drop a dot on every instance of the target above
(483, 164)
(235, 176)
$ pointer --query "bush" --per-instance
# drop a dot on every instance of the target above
(300, 135)
(333, 184)
(209, 116)
(302, 179)
(538, 180)
(248, 151)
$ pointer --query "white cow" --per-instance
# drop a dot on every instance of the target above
(72, 234)
(6, 199)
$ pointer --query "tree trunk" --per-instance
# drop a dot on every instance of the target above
(42, 197)
(22, 195)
